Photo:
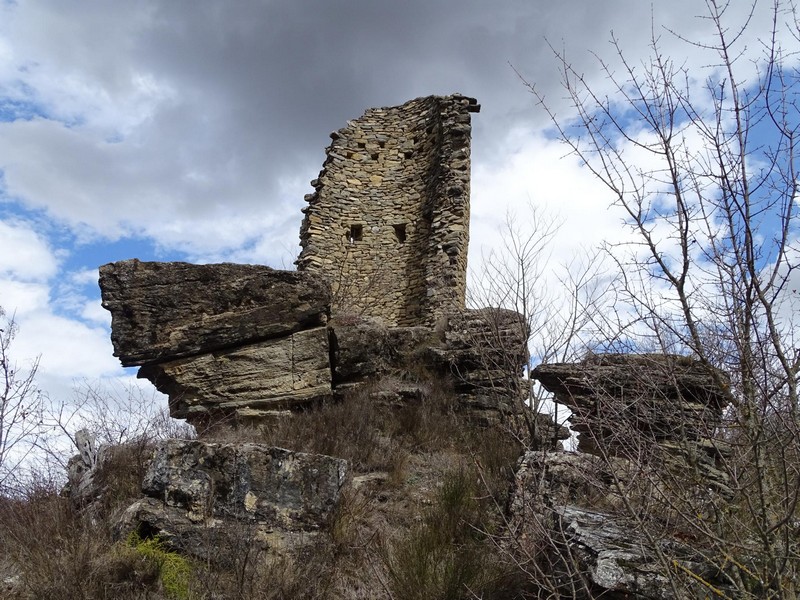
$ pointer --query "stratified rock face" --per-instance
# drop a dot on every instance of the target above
(647, 424)
(567, 510)
(164, 311)
(480, 354)
(199, 493)
(221, 340)
(276, 374)
(661, 397)
(486, 350)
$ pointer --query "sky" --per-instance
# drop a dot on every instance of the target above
(190, 130)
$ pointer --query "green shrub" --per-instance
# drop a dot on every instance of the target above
(174, 570)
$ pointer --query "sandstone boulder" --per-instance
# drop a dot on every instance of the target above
(275, 374)
(164, 311)
(364, 348)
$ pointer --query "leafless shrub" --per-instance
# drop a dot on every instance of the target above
(21, 408)
(61, 554)
(706, 178)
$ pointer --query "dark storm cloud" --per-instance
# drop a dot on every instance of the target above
(282, 75)
(196, 125)
(199, 123)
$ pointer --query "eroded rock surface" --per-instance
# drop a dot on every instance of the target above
(199, 495)
(163, 311)
(652, 408)
(572, 504)
(275, 374)
(478, 354)
(624, 561)
(485, 351)
(667, 397)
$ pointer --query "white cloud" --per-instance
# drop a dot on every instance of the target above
(83, 277)
(23, 297)
(539, 174)
(24, 254)
(93, 312)
(67, 347)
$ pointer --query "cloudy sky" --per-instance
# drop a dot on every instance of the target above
(189, 130)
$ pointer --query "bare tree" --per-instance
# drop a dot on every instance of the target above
(21, 404)
(706, 176)
(561, 307)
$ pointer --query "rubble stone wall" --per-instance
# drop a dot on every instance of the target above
(388, 222)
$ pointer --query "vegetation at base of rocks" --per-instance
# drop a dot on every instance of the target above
(174, 570)
(412, 460)
(448, 555)
(376, 436)
(55, 552)
(420, 460)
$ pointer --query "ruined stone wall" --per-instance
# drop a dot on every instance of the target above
(388, 223)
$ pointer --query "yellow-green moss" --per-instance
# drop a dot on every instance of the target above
(174, 569)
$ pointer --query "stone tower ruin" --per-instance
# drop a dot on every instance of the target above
(388, 223)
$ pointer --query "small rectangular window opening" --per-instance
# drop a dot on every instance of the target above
(356, 233)
(400, 232)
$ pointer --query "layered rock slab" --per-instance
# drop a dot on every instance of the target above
(222, 341)
(569, 505)
(271, 375)
(660, 396)
(163, 311)
(199, 496)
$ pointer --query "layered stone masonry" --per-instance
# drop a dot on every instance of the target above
(388, 222)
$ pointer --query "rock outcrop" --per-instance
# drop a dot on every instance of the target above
(653, 408)
(293, 356)
(667, 397)
(647, 449)
(248, 380)
(200, 496)
(164, 311)
(388, 225)
(572, 503)
(478, 354)
(222, 341)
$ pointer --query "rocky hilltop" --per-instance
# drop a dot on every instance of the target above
(362, 434)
